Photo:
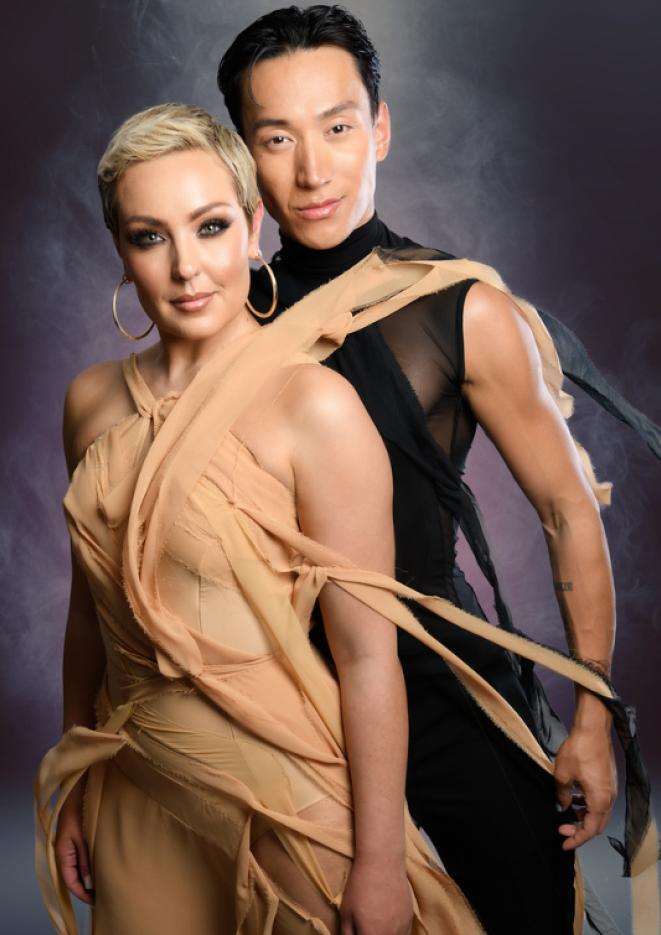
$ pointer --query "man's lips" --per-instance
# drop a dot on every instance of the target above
(317, 211)
(191, 303)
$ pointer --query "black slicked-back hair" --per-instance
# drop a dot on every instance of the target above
(287, 30)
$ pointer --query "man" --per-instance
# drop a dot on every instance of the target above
(302, 87)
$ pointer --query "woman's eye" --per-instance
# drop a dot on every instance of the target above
(144, 238)
(213, 227)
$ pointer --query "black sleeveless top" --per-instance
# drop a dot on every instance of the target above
(407, 368)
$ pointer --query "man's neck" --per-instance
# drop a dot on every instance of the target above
(306, 261)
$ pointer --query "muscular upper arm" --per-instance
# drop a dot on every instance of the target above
(506, 390)
(343, 488)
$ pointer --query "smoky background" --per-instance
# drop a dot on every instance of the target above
(525, 136)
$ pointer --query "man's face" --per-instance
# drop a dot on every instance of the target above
(308, 124)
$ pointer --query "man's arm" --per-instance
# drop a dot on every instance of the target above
(506, 391)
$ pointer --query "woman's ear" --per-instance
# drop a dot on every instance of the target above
(115, 240)
(255, 230)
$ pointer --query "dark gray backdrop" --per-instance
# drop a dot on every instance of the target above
(525, 135)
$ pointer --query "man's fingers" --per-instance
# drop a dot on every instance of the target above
(563, 792)
(582, 831)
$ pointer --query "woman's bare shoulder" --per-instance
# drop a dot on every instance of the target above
(317, 395)
(95, 399)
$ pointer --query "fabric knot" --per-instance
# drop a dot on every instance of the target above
(310, 581)
(336, 330)
(161, 409)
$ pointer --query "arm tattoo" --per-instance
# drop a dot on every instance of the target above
(563, 585)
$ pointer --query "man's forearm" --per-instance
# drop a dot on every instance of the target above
(375, 722)
(583, 585)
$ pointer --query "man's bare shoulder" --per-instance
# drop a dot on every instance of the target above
(496, 336)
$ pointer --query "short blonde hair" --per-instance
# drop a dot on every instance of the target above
(169, 128)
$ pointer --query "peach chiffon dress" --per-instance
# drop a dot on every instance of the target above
(217, 721)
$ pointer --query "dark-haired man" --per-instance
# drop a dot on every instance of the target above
(302, 87)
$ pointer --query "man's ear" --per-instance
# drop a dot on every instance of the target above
(382, 131)
(255, 229)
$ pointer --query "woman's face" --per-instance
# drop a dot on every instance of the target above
(185, 242)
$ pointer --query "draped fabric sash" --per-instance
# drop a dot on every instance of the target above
(179, 456)
(220, 391)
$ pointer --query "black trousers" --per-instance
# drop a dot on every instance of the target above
(489, 810)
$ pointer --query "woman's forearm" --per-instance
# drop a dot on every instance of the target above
(82, 669)
(583, 584)
(374, 714)
(84, 658)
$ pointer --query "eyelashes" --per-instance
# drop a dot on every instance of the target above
(148, 237)
(218, 224)
(143, 238)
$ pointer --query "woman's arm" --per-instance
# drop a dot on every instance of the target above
(505, 389)
(343, 489)
(83, 663)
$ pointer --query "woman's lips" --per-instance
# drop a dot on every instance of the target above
(192, 303)
(318, 212)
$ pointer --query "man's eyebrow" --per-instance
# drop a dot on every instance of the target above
(338, 109)
(148, 219)
(324, 115)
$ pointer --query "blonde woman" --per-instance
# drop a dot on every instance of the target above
(214, 776)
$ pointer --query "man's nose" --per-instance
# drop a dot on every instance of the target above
(313, 164)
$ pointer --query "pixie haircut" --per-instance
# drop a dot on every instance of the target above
(288, 30)
(171, 128)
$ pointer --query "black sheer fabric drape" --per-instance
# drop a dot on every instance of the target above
(408, 370)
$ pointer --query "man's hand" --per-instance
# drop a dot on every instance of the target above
(585, 763)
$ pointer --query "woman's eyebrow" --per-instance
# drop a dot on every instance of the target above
(148, 219)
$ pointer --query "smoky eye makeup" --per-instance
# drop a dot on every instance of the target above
(144, 237)
(213, 226)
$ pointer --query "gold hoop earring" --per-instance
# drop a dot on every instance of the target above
(133, 337)
(274, 286)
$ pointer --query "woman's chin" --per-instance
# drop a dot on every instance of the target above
(191, 328)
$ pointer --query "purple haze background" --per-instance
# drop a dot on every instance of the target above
(525, 136)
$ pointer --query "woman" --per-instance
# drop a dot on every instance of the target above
(220, 482)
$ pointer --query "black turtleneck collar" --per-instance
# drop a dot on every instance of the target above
(299, 269)
(309, 262)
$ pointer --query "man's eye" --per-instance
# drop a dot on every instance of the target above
(277, 140)
(340, 128)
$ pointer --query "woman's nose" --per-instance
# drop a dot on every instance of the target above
(185, 261)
